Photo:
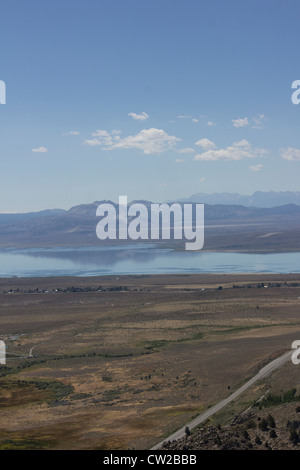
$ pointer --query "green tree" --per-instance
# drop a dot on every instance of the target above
(263, 425)
(258, 441)
(294, 436)
(271, 421)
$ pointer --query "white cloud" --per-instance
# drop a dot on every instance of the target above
(116, 132)
(291, 154)
(179, 160)
(101, 133)
(205, 144)
(241, 122)
(201, 180)
(71, 133)
(92, 142)
(186, 150)
(242, 143)
(101, 137)
(139, 117)
(237, 151)
(258, 121)
(188, 117)
(150, 141)
(210, 123)
(40, 150)
(256, 167)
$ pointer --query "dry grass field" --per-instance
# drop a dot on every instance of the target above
(121, 362)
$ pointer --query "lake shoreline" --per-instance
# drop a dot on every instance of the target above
(176, 249)
(159, 279)
(139, 259)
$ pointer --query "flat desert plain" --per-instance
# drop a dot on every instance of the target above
(122, 362)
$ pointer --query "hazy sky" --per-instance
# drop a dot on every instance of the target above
(151, 99)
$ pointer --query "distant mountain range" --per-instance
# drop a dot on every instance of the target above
(257, 199)
(230, 227)
(21, 217)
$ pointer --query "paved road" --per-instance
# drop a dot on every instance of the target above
(260, 375)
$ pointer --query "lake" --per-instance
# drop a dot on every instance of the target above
(137, 259)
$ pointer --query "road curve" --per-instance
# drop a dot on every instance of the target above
(266, 370)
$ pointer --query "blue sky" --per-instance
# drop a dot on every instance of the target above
(150, 99)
